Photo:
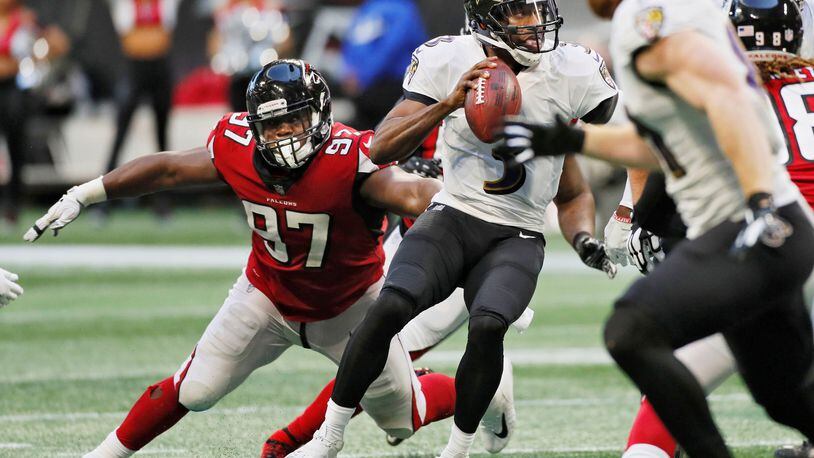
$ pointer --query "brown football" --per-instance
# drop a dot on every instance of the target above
(495, 97)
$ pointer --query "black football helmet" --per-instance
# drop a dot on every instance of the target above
(524, 28)
(289, 92)
(770, 27)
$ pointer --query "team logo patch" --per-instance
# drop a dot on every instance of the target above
(408, 76)
(649, 22)
(603, 70)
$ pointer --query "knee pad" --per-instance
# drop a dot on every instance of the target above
(392, 309)
(197, 396)
(628, 331)
(487, 328)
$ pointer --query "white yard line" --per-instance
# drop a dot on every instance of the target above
(180, 256)
(14, 445)
(734, 398)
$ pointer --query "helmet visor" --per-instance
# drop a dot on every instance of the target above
(285, 139)
(528, 24)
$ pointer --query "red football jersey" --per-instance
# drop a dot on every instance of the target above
(793, 101)
(316, 246)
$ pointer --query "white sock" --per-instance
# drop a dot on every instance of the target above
(459, 443)
(644, 451)
(111, 447)
(336, 419)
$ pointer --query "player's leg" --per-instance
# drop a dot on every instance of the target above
(698, 290)
(498, 289)
(398, 400)
(422, 333)
(711, 362)
(425, 270)
(775, 351)
(241, 338)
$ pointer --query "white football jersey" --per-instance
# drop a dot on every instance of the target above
(700, 177)
(569, 81)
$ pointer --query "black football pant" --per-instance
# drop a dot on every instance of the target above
(497, 267)
(756, 302)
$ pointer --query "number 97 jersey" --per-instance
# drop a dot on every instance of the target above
(793, 102)
(316, 245)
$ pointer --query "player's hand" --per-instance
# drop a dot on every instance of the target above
(592, 252)
(525, 140)
(9, 289)
(762, 225)
(617, 232)
(58, 216)
(427, 168)
(645, 249)
(469, 80)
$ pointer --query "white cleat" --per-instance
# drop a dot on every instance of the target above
(499, 422)
(318, 447)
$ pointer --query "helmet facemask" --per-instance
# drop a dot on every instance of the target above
(308, 132)
(524, 28)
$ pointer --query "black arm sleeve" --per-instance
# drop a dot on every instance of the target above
(603, 112)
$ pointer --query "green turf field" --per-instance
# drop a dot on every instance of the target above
(81, 346)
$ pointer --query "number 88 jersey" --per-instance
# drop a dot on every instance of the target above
(316, 246)
(793, 102)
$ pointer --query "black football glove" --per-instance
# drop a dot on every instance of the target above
(592, 253)
(427, 168)
(762, 224)
(645, 249)
(525, 140)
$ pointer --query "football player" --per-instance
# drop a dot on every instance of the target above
(750, 242)
(483, 231)
(314, 202)
(773, 36)
(9, 289)
(420, 335)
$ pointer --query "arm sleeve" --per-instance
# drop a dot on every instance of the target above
(366, 165)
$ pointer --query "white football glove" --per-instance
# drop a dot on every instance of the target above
(617, 231)
(67, 208)
(9, 289)
(645, 249)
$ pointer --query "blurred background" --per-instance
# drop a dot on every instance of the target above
(86, 85)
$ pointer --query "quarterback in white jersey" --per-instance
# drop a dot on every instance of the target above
(570, 81)
(700, 116)
(483, 231)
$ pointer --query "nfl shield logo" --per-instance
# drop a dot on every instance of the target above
(279, 189)
(789, 35)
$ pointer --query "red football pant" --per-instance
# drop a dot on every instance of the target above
(648, 429)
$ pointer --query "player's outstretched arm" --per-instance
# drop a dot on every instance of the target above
(577, 212)
(147, 174)
(409, 122)
(619, 144)
(403, 193)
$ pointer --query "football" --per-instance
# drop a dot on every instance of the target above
(495, 97)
